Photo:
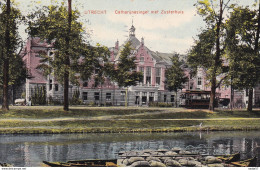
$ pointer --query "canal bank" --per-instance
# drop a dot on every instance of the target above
(44, 119)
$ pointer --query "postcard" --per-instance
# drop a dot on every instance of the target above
(129, 83)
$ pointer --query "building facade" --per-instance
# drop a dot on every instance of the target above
(152, 64)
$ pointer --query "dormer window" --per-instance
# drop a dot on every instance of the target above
(199, 80)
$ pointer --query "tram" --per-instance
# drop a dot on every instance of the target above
(195, 99)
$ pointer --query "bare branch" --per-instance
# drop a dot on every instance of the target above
(219, 83)
(226, 5)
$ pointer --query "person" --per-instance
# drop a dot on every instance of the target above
(29, 102)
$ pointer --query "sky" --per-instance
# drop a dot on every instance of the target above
(162, 31)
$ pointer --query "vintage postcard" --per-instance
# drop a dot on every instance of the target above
(129, 83)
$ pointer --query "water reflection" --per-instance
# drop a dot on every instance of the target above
(31, 150)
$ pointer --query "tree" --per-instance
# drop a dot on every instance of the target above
(101, 67)
(10, 62)
(175, 76)
(124, 73)
(73, 55)
(209, 49)
(242, 47)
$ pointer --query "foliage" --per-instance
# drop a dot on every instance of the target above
(243, 47)
(12, 68)
(74, 58)
(75, 98)
(175, 76)
(241, 32)
(50, 23)
(208, 52)
(160, 104)
(17, 71)
(39, 96)
(52, 101)
(125, 74)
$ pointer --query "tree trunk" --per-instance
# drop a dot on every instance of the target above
(67, 62)
(176, 98)
(5, 105)
(232, 96)
(250, 100)
(216, 59)
(126, 97)
(212, 94)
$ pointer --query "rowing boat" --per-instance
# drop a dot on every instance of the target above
(230, 158)
(246, 163)
(84, 163)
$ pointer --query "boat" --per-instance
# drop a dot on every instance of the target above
(230, 158)
(246, 163)
(84, 163)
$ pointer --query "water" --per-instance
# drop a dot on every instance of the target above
(30, 150)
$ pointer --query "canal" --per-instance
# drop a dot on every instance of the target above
(30, 150)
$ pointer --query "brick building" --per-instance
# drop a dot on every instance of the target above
(152, 89)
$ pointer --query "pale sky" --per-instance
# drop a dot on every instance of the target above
(161, 32)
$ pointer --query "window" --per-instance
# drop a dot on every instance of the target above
(142, 59)
(108, 96)
(142, 69)
(144, 94)
(148, 80)
(85, 95)
(158, 80)
(172, 98)
(199, 80)
(148, 75)
(50, 84)
(165, 98)
(56, 87)
(151, 94)
(96, 95)
(148, 71)
(158, 76)
(85, 84)
(158, 72)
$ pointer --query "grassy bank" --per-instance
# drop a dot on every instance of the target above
(120, 119)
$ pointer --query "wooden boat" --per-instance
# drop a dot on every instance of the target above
(230, 158)
(246, 163)
(84, 163)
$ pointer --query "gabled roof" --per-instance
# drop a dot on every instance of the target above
(134, 44)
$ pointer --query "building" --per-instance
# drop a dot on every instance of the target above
(152, 89)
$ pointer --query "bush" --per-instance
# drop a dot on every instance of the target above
(75, 98)
(52, 101)
(160, 104)
(108, 104)
(39, 96)
(92, 104)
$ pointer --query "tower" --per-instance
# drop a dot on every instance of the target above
(142, 41)
(117, 45)
(132, 30)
